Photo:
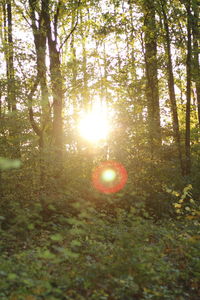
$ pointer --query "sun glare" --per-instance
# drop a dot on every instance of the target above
(94, 125)
(109, 175)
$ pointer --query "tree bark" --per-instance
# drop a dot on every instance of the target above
(85, 91)
(171, 89)
(188, 92)
(196, 39)
(11, 88)
(40, 41)
(74, 66)
(56, 76)
(1, 183)
(152, 93)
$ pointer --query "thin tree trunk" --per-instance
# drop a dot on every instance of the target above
(74, 66)
(171, 89)
(1, 184)
(11, 88)
(188, 92)
(152, 93)
(196, 39)
(10, 60)
(85, 94)
(133, 60)
(105, 76)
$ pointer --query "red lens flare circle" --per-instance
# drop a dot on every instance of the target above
(109, 186)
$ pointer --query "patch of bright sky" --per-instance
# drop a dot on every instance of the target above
(94, 124)
(23, 38)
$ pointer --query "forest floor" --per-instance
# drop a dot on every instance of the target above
(94, 255)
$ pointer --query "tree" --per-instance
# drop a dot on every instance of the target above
(172, 96)
(196, 35)
(11, 84)
(188, 91)
(152, 93)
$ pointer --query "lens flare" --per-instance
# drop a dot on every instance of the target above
(109, 177)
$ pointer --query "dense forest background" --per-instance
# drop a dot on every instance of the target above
(60, 238)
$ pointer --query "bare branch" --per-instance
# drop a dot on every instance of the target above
(72, 30)
(68, 36)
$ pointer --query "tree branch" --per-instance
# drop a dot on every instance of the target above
(68, 36)
(72, 30)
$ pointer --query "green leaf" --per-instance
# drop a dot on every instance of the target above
(73, 221)
(77, 231)
(68, 253)
(75, 243)
(47, 255)
(12, 276)
(6, 163)
(31, 226)
(51, 207)
(56, 237)
(2, 218)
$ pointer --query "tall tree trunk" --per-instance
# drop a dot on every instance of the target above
(40, 40)
(152, 93)
(85, 93)
(105, 76)
(11, 88)
(10, 59)
(188, 91)
(74, 67)
(196, 44)
(171, 89)
(6, 53)
(56, 76)
(133, 60)
(1, 184)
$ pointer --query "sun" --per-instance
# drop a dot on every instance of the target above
(109, 175)
(94, 125)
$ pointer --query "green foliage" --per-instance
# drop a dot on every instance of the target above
(97, 256)
(6, 164)
(60, 239)
(186, 206)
